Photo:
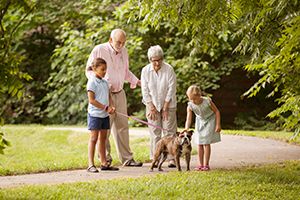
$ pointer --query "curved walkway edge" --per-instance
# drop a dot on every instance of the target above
(232, 152)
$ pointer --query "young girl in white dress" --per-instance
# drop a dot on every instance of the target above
(207, 124)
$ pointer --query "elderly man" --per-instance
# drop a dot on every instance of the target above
(159, 95)
(116, 56)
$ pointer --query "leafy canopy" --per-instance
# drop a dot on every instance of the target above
(266, 30)
(10, 73)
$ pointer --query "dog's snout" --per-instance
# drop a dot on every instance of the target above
(185, 140)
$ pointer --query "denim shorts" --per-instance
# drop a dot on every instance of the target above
(97, 123)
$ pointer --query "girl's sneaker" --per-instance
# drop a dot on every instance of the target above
(205, 168)
(92, 169)
(199, 168)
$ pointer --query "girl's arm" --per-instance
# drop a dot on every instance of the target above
(94, 102)
(189, 115)
(218, 116)
(111, 109)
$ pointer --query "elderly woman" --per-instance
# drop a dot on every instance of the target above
(159, 95)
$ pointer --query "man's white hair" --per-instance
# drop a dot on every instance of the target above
(155, 51)
(117, 31)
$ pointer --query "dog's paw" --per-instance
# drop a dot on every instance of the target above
(160, 169)
(150, 170)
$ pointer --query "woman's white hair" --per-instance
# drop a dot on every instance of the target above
(155, 51)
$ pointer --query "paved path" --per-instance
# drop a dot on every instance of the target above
(233, 151)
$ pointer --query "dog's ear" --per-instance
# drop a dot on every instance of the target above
(190, 132)
(177, 133)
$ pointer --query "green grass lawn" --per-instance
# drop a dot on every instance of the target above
(276, 181)
(36, 149)
(275, 135)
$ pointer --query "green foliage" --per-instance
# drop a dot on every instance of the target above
(67, 80)
(200, 46)
(268, 31)
(11, 26)
(11, 81)
(36, 46)
(202, 20)
(67, 99)
(51, 41)
(3, 142)
(279, 66)
(191, 64)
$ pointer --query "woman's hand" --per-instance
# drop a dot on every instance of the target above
(152, 115)
(165, 114)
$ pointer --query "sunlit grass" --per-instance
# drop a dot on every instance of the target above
(276, 181)
(275, 135)
(36, 149)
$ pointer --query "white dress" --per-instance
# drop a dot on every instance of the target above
(205, 123)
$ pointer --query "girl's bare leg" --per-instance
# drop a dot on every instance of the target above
(207, 151)
(200, 154)
(102, 147)
(91, 146)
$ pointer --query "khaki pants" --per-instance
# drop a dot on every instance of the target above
(119, 129)
(156, 133)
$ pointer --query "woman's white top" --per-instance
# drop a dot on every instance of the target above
(160, 86)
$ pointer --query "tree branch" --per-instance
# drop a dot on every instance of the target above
(17, 26)
(3, 11)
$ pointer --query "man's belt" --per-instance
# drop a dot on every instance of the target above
(117, 92)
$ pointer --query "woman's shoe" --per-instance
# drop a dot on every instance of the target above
(132, 163)
(171, 164)
(108, 168)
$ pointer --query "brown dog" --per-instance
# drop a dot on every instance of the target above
(174, 145)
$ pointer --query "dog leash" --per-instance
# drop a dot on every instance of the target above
(142, 121)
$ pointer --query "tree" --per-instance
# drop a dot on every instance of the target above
(35, 43)
(67, 82)
(275, 29)
(267, 30)
(11, 76)
(67, 97)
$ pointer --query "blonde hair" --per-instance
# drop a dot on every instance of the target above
(193, 90)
